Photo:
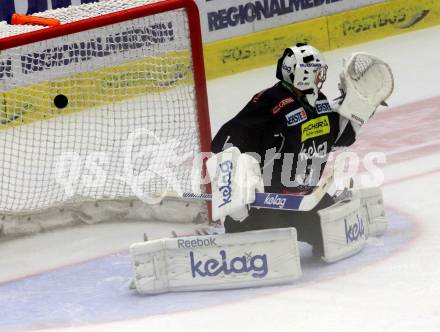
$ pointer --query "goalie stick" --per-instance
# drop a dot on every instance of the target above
(276, 201)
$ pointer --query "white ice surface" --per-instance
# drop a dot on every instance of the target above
(399, 293)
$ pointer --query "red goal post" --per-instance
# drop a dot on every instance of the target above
(33, 122)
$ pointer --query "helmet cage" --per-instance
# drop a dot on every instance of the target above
(321, 77)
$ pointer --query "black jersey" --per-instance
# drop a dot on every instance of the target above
(291, 139)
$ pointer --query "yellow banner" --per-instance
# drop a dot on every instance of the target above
(262, 48)
(93, 89)
(381, 20)
(360, 25)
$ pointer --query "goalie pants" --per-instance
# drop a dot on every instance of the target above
(307, 223)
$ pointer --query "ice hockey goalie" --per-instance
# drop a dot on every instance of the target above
(279, 142)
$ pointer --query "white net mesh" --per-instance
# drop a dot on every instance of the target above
(75, 13)
(104, 114)
(359, 66)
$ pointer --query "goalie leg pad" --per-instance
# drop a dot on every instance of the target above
(346, 225)
(343, 230)
(248, 259)
(373, 211)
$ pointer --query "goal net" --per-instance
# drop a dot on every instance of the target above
(109, 107)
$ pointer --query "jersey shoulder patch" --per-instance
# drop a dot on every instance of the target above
(323, 106)
(257, 98)
(277, 99)
(295, 117)
(282, 104)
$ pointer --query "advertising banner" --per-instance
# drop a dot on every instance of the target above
(329, 32)
(223, 19)
(382, 20)
(245, 34)
(262, 48)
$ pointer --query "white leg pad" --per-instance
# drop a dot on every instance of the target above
(373, 211)
(212, 262)
(346, 225)
(343, 230)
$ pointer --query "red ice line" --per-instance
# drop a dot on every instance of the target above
(413, 125)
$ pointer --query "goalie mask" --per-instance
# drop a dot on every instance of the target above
(303, 67)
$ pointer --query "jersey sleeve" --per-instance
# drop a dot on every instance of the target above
(347, 134)
(247, 130)
(234, 133)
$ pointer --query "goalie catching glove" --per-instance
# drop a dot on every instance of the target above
(365, 83)
(235, 177)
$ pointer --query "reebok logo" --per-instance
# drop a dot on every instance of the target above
(357, 119)
(197, 243)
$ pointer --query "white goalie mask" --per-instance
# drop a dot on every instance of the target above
(303, 67)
